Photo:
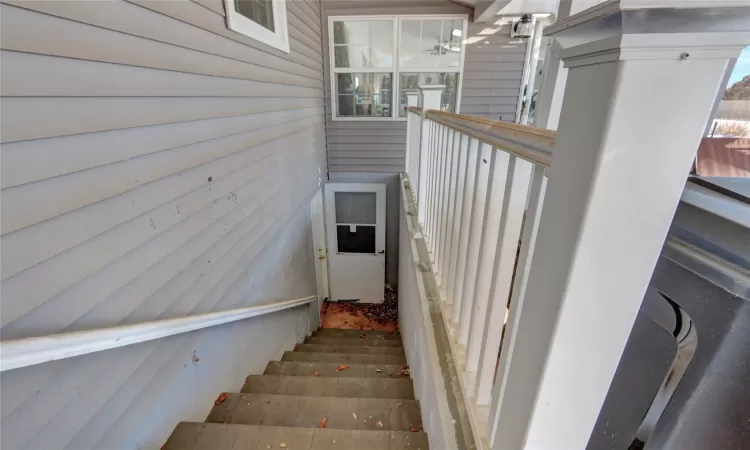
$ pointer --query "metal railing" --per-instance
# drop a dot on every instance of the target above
(479, 185)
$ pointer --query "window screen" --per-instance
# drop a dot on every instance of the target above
(356, 207)
(259, 11)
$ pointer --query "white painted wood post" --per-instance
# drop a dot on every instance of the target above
(636, 103)
(413, 128)
(430, 100)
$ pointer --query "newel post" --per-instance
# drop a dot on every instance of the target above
(413, 128)
(638, 95)
(431, 95)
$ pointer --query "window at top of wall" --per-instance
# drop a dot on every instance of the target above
(375, 60)
(262, 20)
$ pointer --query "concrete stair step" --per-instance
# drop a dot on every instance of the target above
(355, 334)
(215, 436)
(391, 388)
(354, 342)
(308, 412)
(347, 358)
(332, 369)
(357, 349)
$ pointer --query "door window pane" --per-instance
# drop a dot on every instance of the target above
(259, 11)
(356, 207)
(363, 94)
(355, 238)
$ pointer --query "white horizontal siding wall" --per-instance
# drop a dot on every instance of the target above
(154, 164)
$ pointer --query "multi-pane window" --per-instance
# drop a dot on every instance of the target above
(263, 20)
(375, 61)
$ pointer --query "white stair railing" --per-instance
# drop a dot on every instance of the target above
(479, 185)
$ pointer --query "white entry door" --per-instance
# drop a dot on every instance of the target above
(355, 231)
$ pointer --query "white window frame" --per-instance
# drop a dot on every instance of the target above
(278, 39)
(395, 70)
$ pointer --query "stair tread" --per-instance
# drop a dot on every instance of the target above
(335, 332)
(333, 369)
(355, 342)
(215, 436)
(308, 412)
(392, 388)
(348, 358)
(358, 349)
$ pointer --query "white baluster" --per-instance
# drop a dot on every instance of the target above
(445, 175)
(431, 95)
(434, 185)
(413, 126)
(458, 164)
(514, 204)
(537, 189)
(470, 185)
(499, 173)
(434, 151)
(479, 210)
(447, 199)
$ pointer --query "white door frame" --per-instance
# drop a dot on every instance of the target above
(375, 262)
(320, 251)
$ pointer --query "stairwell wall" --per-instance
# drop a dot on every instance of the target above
(154, 165)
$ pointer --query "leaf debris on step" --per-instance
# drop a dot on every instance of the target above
(317, 374)
(404, 371)
(223, 396)
(379, 423)
(399, 404)
(323, 422)
(355, 416)
(282, 445)
(341, 367)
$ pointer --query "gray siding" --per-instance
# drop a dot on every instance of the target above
(154, 164)
(493, 70)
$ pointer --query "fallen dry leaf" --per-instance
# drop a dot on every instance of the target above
(282, 445)
(363, 335)
(379, 423)
(355, 416)
(341, 367)
(222, 397)
(405, 371)
(323, 422)
(378, 371)
(413, 429)
(317, 374)
(399, 404)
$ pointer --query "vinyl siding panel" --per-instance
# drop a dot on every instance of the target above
(154, 165)
(493, 70)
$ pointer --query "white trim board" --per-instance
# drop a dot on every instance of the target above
(277, 39)
(30, 351)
